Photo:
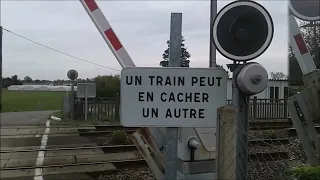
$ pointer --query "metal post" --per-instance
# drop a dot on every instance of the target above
(1, 32)
(72, 101)
(86, 103)
(239, 101)
(174, 61)
(212, 50)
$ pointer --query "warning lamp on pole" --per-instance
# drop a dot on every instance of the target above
(242, 30)
(307, 10)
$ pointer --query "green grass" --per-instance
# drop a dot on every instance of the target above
(17, 101)
(306, 172)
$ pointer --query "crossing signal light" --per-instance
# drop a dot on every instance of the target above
(242, 30)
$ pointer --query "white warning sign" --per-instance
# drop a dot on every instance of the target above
(172, 97)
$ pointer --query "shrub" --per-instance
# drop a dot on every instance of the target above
(306, 172)
(119, 137)
(271, 133)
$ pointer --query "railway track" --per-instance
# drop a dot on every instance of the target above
(254, 124)
(104, 164)
(118, 164)
(131, 148)
(67, 152)
(265, 125)
(293, 133)
(66, 160)
(115, 148)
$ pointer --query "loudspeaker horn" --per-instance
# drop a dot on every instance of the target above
(242, 30)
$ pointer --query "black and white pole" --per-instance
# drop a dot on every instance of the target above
(174, 61)
(242, 31)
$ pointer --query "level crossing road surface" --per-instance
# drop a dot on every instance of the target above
(35, 147)
(33, 118)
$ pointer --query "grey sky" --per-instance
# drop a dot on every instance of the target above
(142, 27)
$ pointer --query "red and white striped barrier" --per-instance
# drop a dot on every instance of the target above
(124, 60)
(107, 33)
(299, 47)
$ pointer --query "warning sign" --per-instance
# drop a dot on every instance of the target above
(172, 97)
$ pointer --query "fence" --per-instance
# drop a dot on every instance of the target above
(106, 109)
(266, 154)
(267, 108)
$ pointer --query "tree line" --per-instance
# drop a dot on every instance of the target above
(109, 85)
(13, 80)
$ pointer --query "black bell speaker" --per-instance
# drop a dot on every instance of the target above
(242, 30)
(308, 10)
(72, 74)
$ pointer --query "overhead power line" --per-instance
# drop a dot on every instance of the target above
(80, 59)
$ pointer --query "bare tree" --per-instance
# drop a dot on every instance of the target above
(277, 75)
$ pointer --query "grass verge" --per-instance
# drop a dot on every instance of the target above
(18, 101)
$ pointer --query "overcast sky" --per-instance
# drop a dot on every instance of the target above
(142, 27)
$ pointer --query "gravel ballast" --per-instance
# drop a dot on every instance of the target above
(129, 174)
(278, 169)
(257, 170)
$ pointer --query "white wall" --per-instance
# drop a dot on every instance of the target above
(265, 94)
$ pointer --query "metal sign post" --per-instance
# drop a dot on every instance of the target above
(174, 61)
(239, 101)
(86, 102)
(72, 100)
(212, 51)
(1, 69)
(72, 75)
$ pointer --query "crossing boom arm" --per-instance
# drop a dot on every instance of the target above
(107, 33)
(299, 47)
(304, 107)
(153, 136)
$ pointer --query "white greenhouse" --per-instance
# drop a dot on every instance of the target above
(40, 88)
(28, 88)
(15, 88)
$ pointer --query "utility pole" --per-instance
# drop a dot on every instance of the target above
(1, 33)
(174, 61)
(212, 49)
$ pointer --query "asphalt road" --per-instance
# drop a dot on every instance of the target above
(31, 118)
(33, 130)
